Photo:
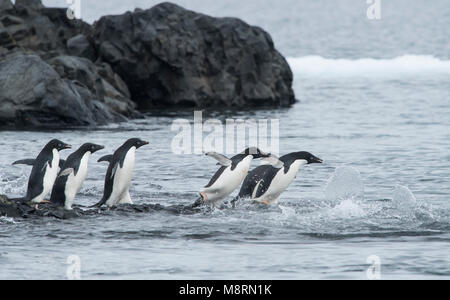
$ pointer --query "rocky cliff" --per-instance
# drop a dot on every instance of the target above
(55, 71)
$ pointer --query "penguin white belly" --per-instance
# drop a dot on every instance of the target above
(122, 181)
(125, 198)
(51, 172)
(280, 183)
(75, 182)
(228, 181)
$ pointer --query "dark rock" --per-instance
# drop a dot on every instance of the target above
(55, 71)
(13, 209)
(95, 79)
(171, 56)
(32, 4)
(79, 45)
(17, 209)
(42, 97)
(5, 5)
(31, 26)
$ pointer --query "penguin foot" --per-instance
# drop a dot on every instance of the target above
(200, 201)
(203, 196)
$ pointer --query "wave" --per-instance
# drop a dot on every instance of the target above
(402, 65)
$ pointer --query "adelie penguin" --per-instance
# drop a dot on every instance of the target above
(265, 183)
(119, 173)
(44, 172)
(72, 175)
(229, 176)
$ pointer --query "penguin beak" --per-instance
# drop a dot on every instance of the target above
(317, 161)
(98, 148)
(261, 155)
(66, 146)
(141, 143)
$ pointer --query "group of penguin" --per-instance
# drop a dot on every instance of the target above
(64, 178)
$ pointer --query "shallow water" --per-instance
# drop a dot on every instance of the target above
(383, 189)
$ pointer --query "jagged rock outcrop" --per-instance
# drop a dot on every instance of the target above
(47, 72)
(33, 93)
(55, 71)
(28, 25)
(171, 56)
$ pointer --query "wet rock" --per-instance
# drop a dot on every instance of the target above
(170, 56)
(14, 209)
(18, 209)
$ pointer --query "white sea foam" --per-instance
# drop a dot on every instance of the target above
(7, 220)
(369, 67)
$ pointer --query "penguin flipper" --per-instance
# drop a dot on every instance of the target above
(274, 161)
(66, 172)
(28, 162)
(222, 159)
(107, 158)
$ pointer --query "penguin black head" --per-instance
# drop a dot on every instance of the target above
(256, 152)
(58, 145)
(89, 147)
(311, 159)
(138, 143)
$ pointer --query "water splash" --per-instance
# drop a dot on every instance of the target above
(404, 199)
(406, 205)
(346, 183)
(12, 185)
(348, 208)
(7, 220)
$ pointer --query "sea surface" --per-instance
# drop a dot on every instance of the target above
(374, 104)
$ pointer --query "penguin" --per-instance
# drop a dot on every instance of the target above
(72, 175)
(44, 171)
(266, 183)
(230, 175)
(118, 175)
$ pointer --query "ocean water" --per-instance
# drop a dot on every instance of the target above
(374, 101)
